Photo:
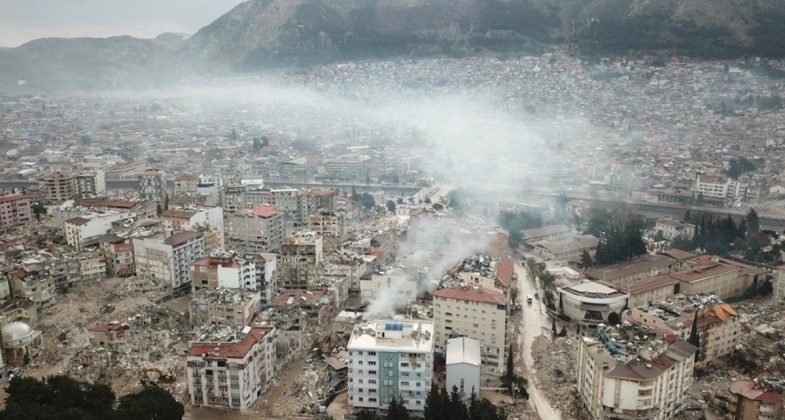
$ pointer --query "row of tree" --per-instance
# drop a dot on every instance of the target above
(441, 405)
(515, 223)
(60, 397)
(621, 243)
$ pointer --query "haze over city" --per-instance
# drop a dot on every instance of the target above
(439, 209)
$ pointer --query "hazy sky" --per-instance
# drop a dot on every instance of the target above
(25, 20)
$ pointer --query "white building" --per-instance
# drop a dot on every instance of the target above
(168, 261)
(720, 188)
(591, 302)
(231, 371)
(473, 312)
(91, 183)
(779, 284)
(463, 366)
(152, 185)
(390, 282)
(390, 359)
(79, 230)
(626, 374)
(672, 229)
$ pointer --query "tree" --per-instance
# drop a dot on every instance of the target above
(151, 403)
(396, 410)
(399, 201)
(434, 404)
(586, 260)
(366, 414)
(158, 210)
(514, 293)
(391, 206)
(514, 239)
(355, 196)
(694, 338)
(437, 206)
(614, 318)
(367, 201)
(38, 210)
(456, 409)
(510, 373)
(58, 397)
(753, 222)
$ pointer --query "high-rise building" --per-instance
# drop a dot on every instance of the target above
(258, 229)
(390, 359)
(152, 185)
(231, 369)
(57, 186)
(474, 312)
(168, 261)
(630, 373)
(15, 210)
(300, 262)
(91, 183)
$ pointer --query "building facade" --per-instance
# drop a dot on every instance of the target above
(152, 185)
(258, 229)
(390, 359)
(15, 210)
(477, 313)
(168, 261)
(301, 260)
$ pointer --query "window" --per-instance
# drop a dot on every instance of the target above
(372, 372)
(371, 353)
(372, 363)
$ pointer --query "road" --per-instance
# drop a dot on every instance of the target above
(533, 323)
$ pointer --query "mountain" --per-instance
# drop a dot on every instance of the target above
(261, 33)
(53, 64)
(265, 33)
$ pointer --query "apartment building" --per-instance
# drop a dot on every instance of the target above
(258, 229)
(266, 269)
(91, 183)
(185, 184)
(118, 255)
(757, 400)
(58, 187)
(223, 271)
(629, 373)
(474, 312)
(152, 185)
(89, 227)
(718, 324)
(233, 198)
(301, 259)
(347, 167)
(386, 280)
(32, 280)
(779, 284)
(15, 210)
(234, 308)
(229, 369)
(206, 219)
(390, 359)
(329, 224)
(108, 334)
(168, 260)
(720, 189)
(92, 265)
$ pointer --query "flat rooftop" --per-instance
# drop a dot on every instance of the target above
(409, 336)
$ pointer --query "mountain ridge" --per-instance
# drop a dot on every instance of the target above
(259, 34)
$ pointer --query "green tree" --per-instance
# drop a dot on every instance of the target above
(434, 404)
(391, 206)
(510, 368)
(58, 397)
(437, 206)
(586, 260)
(38, 210)
(753, 222)
(456, 409)
(151, 403)
(367, 201)
(366, 414)
(396, 410)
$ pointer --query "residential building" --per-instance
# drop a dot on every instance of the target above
(58, 187)
(718, 324)
(390, 359)
(168, 261)
(234, 308)
(118, 255)
(31, 280)
(318, 305)
(91, 183)
(300, 262)
(778, 281)
(206, 219)
(390, 282)
(713, 277)
(651, 290)
(223, 271)
(474, 312)
(629, 373)
(589, 302)
(92, 265)
(642, 267)
(463, 366)
(673, 229)
(233, 198)
(757, 400)
(715, 188)
(185, 184)
(89, 227)
(231, 369)
(347, 168)
(152, 185)
(266, 269)
(258, 229)
(15, 210)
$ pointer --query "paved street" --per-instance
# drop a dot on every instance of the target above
(534, 323)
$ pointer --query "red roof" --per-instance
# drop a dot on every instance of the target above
(504, 270)
(178, 214)
(14, 197)
(235, 350)
(473, 294)
(77, 221)
(263, 210)
(216, 261)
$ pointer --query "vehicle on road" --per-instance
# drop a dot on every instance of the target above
(529, 299)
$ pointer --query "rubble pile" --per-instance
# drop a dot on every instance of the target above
(556, 374)
(311, 388)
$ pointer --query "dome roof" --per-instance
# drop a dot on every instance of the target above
(16, 331)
